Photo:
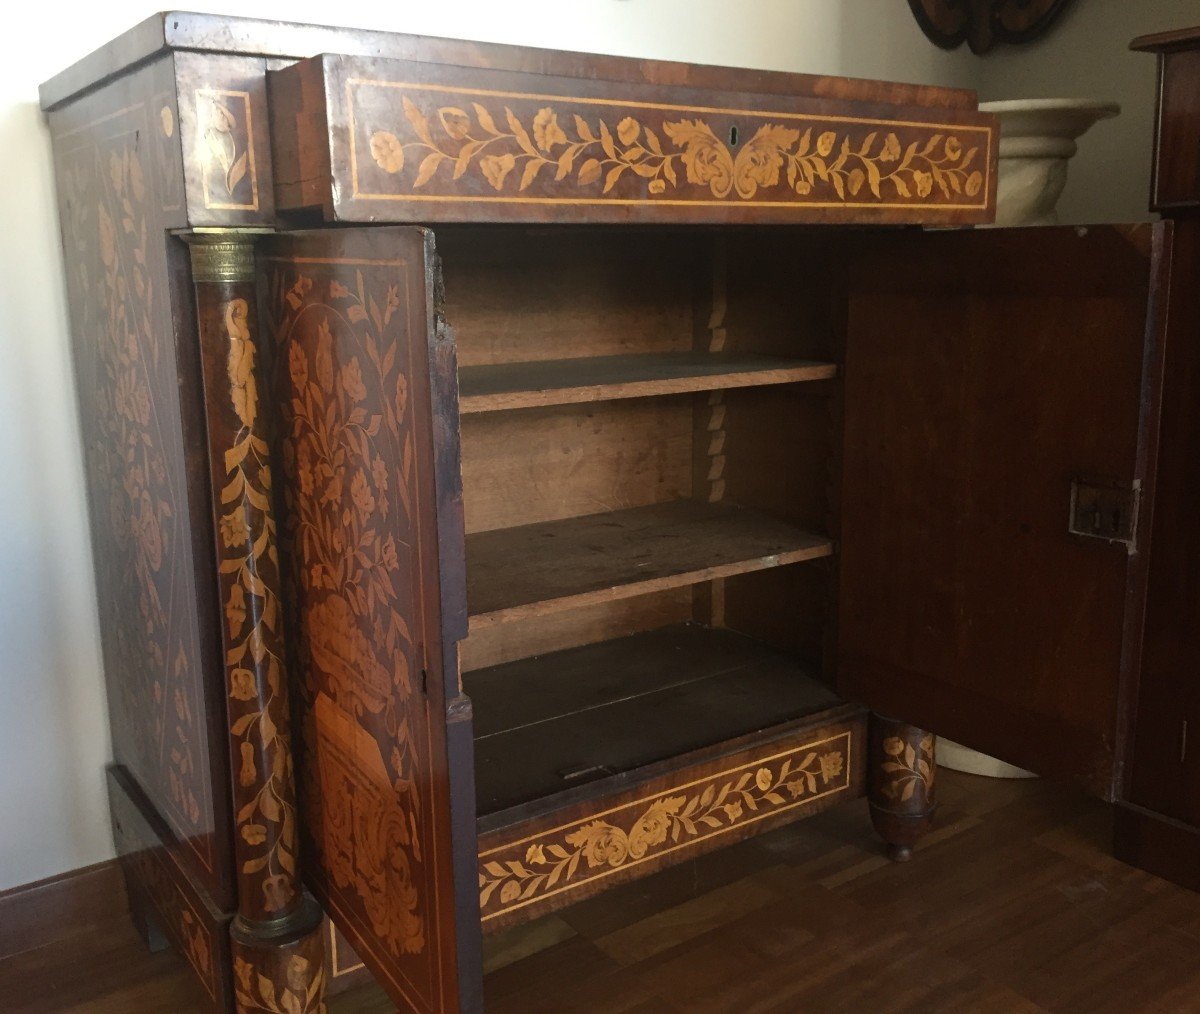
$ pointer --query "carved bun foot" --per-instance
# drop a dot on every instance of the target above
(281, 968)
(902, 768)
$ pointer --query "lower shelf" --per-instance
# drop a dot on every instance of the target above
(552, 723)
(779, 748)
(533, 570)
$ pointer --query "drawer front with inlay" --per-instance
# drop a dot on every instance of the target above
(533, 866)
(394, 141)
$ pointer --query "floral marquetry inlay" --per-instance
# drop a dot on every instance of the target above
(434, 143)
(567, 857)
(346, 370)
(226, 156)
(299, 988)
(112, 190)
(249, 568)
(909, 769)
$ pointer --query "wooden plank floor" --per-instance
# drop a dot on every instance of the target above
(1014, 905)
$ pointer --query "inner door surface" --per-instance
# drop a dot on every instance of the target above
(370, 513)
(986, 371)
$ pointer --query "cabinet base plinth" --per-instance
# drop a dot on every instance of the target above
(1161, 845)
(280, 970)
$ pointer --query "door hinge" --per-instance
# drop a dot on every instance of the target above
(1106, 510)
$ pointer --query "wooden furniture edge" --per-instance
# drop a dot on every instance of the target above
(285, 40)
(1161, 845)
(1164, 42)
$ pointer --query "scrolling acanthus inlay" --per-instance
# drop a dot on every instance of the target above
(829, 161)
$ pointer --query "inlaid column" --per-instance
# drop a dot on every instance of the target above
(902, 768)
(277, 950)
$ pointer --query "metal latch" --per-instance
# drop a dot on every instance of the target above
(584, 771)
(1103, 509)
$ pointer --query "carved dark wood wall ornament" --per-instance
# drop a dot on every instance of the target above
(983, 23)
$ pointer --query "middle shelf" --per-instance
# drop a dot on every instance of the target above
(543, 568)
(501, 386)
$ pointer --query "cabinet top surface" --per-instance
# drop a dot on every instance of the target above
(181, 31)
(1163, 42)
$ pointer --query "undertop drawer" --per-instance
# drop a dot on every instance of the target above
(384, 140)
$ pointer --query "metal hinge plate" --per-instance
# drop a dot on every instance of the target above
(1106, 510)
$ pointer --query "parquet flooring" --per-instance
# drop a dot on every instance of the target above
(1013, 905)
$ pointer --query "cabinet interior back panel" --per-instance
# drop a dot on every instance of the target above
(529, 295)
(602, 621)
(783, 293)
(544, 464)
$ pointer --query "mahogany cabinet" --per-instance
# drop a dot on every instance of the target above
(512, 472)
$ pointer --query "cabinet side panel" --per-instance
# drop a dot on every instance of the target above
(119, 180)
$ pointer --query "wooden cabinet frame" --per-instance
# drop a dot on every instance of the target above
(510, 474)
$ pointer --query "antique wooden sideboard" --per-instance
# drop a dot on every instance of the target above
(512, 472)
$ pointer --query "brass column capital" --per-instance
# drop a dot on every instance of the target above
(222, 255)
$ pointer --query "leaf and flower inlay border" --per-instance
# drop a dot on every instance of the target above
(258, 711)
(433, 142)
(567, 857)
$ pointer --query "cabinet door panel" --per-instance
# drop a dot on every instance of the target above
(986, 372)
(1164, 773)
(371, 519)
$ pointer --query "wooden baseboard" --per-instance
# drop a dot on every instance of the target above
(1160, 845)
(37, 914)
(47, 911)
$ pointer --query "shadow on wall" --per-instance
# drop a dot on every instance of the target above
(887, 42)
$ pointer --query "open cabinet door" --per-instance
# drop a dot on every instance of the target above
(370, 509)
(993, 398)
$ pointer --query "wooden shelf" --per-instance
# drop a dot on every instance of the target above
(550, 723)
(604, 378)
(537, 569)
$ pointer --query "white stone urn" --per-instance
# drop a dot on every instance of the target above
(1037, 138)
